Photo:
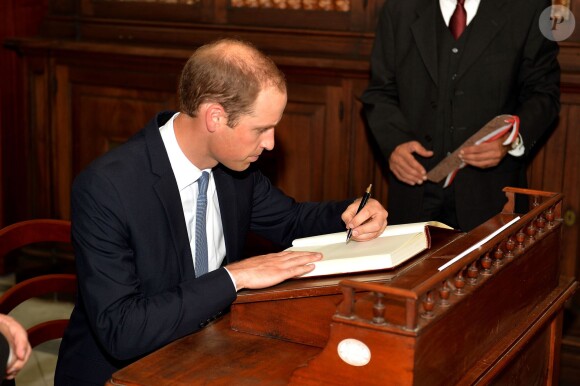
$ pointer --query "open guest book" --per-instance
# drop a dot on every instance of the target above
(397, 244)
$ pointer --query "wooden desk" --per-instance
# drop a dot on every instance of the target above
(494, 317)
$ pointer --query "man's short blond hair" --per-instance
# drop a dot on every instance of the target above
(229, 72)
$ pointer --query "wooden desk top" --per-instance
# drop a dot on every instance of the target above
(226, 355)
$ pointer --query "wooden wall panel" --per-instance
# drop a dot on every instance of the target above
(298, 142)
(571, 185)
(575, 8)
(335, 185)
(95, 108)
(101, 117)
(17, 18)
(555, 168)
(40, 93)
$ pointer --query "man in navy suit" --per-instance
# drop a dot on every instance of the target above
(134, 214)
(430, 91)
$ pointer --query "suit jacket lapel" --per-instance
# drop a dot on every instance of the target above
(424, 31)
(229, 213)
(168, 193)
(488, 22)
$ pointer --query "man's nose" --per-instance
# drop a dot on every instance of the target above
(268, 140)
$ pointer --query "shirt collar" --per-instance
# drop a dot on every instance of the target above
(448, 7)
(185, 172)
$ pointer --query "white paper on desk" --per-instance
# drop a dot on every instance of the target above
(394, 246)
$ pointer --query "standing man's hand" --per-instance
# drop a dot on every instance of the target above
(404, 165)
(484, 155)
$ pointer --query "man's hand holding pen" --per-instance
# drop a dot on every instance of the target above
(368, 223)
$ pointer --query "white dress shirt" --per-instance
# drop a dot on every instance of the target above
(187, 175)
(448, 7)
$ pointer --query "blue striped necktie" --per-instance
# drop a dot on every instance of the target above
(200, 232)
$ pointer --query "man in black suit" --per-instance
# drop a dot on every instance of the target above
(134, 214)
(429, 92)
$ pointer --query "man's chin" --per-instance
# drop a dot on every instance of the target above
(240, 167)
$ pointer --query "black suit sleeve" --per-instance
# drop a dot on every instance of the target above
(384, 116)
(281, 219)
(539, 83)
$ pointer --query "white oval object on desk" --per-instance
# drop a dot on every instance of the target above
(354, 352)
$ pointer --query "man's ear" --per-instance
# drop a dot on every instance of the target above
(214, 116)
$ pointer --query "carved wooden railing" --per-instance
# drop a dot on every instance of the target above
(304, 5)
(429, 300)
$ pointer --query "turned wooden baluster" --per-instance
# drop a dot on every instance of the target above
(531, 233)
(486, 264)
(378, 309)
(472, 273)
(550, 217)
(459, 283)
(444, 294)
(428, 305)
(520, 238)
(510, 245)
(541, 224)
(498, 257)
(346, 307)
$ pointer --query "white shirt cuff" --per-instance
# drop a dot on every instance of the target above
(233, 281)
(517, 147)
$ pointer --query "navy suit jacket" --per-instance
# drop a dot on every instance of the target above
(137, 284)
(506, 67)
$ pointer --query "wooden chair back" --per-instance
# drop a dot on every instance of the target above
(36, 287)
(29, 232)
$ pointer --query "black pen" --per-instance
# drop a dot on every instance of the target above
(362, 204)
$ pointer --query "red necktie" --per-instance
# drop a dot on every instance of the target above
(458, 20)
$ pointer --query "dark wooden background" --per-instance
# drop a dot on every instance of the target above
(78, 77)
